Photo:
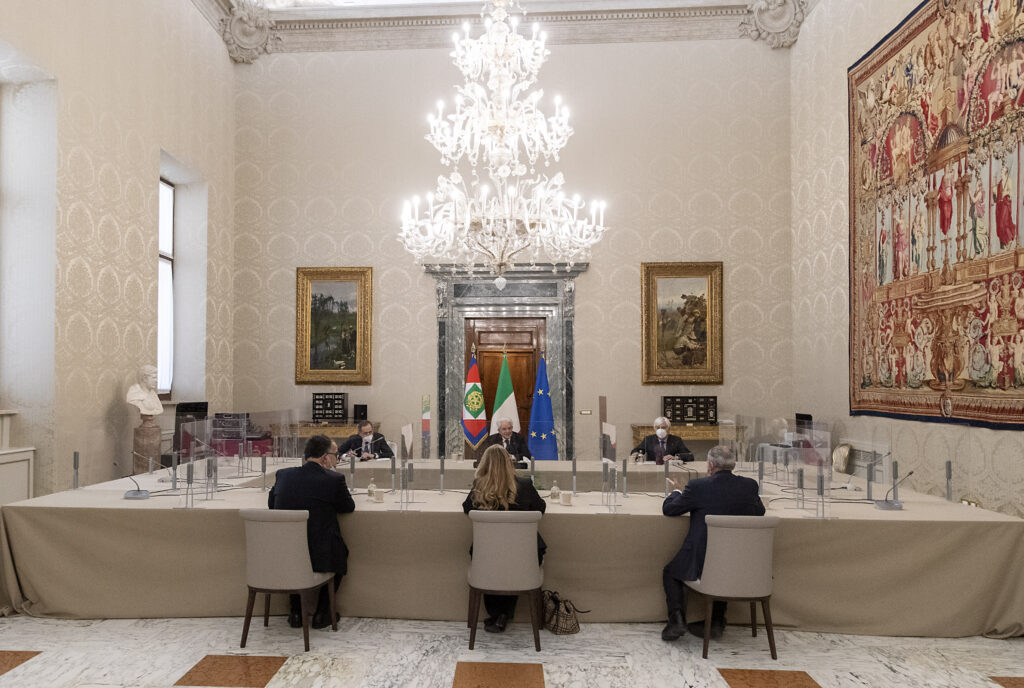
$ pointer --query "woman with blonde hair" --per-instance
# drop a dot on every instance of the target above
(497, 488)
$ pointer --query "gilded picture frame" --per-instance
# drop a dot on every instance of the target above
(333, 325)
(682, 323)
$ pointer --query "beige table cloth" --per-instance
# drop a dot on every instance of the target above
(934, 569)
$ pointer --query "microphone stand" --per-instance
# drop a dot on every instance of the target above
(138, 492)
(894, 504)
(143, 456)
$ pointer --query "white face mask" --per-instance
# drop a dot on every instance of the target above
(662, 433)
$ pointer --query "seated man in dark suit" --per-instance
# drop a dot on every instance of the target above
(512, 441)
(719, 493)
(316, 488)
(367, 444)
(661, 446)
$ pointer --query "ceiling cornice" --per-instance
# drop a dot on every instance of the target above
(250, 30)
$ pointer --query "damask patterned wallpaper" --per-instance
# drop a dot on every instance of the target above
(986, 463)
(132, 78)
(688, 142)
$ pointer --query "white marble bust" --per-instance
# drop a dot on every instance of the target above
(143, 395)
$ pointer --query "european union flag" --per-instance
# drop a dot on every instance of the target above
(542, 441)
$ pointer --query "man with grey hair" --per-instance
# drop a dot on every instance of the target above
(511, 440)
(721, 492)
(662, 446)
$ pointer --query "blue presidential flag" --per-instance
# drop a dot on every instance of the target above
(541, 440)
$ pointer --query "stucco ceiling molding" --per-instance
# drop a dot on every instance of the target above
(775, 21)
(248, 31)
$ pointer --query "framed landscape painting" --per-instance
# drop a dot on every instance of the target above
(682, 323)
(333, 319)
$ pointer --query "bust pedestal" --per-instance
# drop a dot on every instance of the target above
(146, 443)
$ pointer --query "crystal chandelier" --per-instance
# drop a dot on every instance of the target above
(494, 206)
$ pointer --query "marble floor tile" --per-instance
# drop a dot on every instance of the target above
(232, 671)
(9, 659)
(394, 653)
(767, 678)
(312, 670)
(504, 674)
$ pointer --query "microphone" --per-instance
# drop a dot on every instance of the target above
(885, 504)
(138, 492)
(149, 460)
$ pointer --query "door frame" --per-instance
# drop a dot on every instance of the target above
(544, 291)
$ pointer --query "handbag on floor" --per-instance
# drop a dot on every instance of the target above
(560, 615)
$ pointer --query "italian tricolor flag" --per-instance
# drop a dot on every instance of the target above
(474, 416)
(504, 400)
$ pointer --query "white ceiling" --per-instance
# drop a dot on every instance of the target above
(433, 6)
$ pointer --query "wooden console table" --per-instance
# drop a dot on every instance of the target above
(306, 429)
(699, 433)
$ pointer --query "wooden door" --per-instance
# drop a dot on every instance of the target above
(521, 340)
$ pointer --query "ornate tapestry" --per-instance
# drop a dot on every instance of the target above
(936, 260)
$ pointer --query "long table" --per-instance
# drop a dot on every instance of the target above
(933, 569)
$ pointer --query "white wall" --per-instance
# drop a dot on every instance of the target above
(688, 142)
(132, 78)
(28, 259)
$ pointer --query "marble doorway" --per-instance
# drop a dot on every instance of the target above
(544, 291)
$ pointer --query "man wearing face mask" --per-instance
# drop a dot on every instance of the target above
(661, 446)
(366, 444)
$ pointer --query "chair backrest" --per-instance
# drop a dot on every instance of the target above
(738, 562)
(505, 550)
(276, 549)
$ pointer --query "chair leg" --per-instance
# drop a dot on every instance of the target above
(248, 616)
(330, 598)
(707, 623)
(753, 618)
(306, 606)
(469, 609)
(474, 611)
(535, 617)
(266, 610)
(768, 626)
(540, 607)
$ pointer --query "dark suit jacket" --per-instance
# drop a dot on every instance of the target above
(527, 499)
(324, 495)
(673, 445)
(378, 446)
(721, 493)
(516, 443)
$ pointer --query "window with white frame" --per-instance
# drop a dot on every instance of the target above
(165, 298)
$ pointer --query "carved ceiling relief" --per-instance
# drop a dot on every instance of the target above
(777, 22)
(249, 29)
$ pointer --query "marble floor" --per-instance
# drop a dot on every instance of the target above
(383, 653)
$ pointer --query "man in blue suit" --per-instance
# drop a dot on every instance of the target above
(316, 488)
(719, 493)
